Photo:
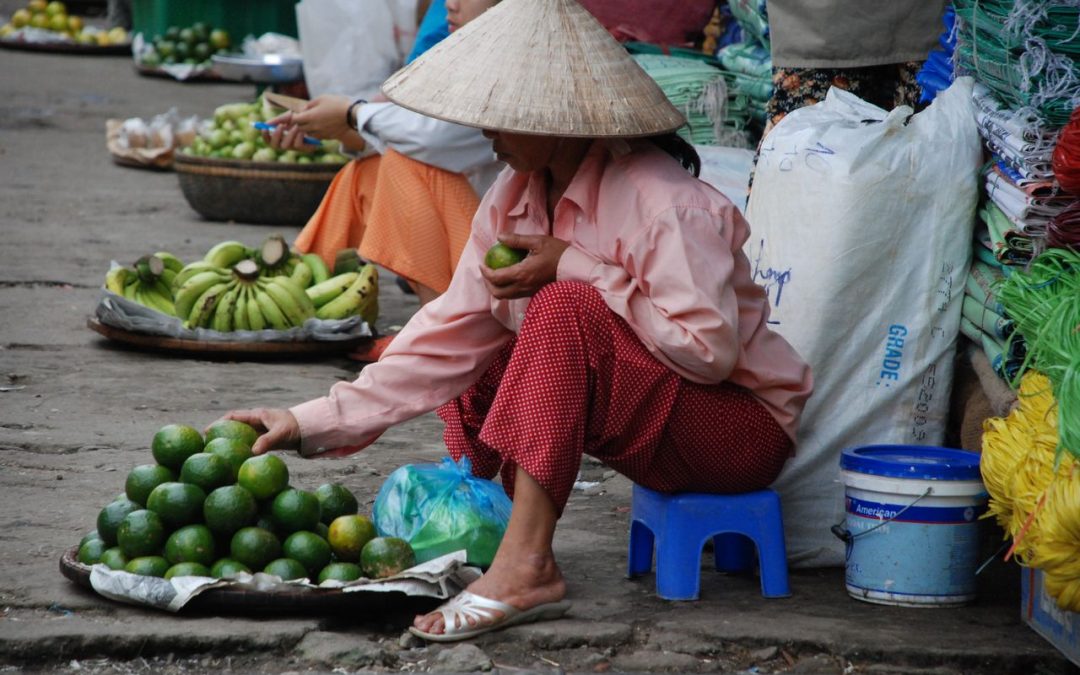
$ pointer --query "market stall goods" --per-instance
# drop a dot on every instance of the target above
(184, 515)
(193, 45)
(235, 287)
(48, 24)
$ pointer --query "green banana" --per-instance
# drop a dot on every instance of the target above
(269, 309)
(129, 288)
(319, 271)
(326, 291)
(370, 310)
(155, 298)
(353, 298)
(191, 290)
(168, 276)
(223, 313)
(285, 302)
(303, 302)
(171, 262)
(255, 318)
(227, 253)
(191, 269)
(239, 311)
(203, 310)
(116, 278)
(302, 274)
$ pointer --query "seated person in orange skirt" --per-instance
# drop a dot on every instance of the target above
(407, 200)
(633, 331)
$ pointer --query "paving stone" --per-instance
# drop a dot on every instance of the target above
(685, 643)
(652, 661)
(819, 664)
(568, 634)
(463, 658)
(340, 649)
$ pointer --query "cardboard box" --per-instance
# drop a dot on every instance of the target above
(1061, 628)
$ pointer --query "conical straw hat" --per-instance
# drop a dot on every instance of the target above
(535, 67)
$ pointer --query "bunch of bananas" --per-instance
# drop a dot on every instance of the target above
(348, 294)
(235, 287)
(147, 282)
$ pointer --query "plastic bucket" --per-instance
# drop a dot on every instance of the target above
(911, 525)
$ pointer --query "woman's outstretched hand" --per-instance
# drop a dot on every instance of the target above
(527, 277)
(278, 429)
(286, 135)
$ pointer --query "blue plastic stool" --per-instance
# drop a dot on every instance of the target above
(681, 523)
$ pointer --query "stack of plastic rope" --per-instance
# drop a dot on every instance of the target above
(983, 320)
(700, 92)
(936, 73)
(1026, 51)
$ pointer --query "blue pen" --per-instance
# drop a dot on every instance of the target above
(264, 126)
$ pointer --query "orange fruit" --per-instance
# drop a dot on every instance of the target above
(349, 534)
(264, 476)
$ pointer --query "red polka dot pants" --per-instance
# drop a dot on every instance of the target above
(576, 379)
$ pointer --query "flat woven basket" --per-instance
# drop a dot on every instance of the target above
(265, 193)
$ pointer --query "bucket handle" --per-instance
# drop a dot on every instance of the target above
(845, 535)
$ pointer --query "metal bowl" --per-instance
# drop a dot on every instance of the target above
(266, 68)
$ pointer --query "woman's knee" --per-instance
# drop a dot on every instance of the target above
(566, 299)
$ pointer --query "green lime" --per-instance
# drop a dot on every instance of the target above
(500, 255)
(143, 479)
(206, 470)
(92, 534)
(254, 547)
(309, 549)
(231, 428)
(286, 568)
(178, 504)
(295, 510)
(141, 533)
(174, 443)
(229, 508)
(114, 558)
(188, 569)
(385, 557)
(349, 534)
(335, 500)
(263, 476)
(227, 567)
(341, 571)
(91, 552)
(148, 566)
(233, 450)
(109, 518)
(191, 543)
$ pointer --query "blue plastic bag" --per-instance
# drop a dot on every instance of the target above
(442, 508)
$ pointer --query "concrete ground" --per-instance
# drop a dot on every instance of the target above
(77, 412)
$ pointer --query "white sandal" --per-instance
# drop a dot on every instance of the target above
(487, 615)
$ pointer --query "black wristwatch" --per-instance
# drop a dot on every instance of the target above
(350, 118)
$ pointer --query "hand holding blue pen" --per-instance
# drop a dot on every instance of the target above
(265, 126)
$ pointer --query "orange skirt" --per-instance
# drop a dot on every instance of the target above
(409, 217)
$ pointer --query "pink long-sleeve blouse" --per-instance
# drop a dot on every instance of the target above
(663, 249)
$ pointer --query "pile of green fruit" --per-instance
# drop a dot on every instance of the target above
(232, 136)
(208, 507)
(53, 16)
(193, 45)
(235, 287)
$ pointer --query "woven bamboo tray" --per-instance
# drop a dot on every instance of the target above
(266, 193)
(300, 601)
(228, 350)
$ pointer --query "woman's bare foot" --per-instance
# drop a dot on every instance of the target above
(521, 580)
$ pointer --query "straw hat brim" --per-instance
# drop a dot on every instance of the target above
(542, 67)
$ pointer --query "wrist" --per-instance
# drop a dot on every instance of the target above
(351, 114)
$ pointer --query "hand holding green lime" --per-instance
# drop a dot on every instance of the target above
(500, 255)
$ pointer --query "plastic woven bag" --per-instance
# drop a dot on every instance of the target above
(442, 508)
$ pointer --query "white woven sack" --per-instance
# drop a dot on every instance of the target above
(861, 230)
